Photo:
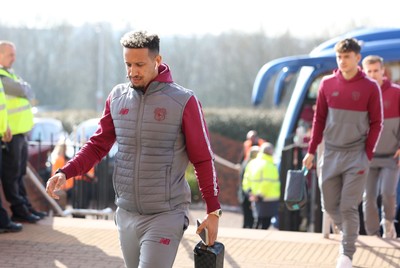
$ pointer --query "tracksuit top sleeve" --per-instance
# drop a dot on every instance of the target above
(375, 112)
(199, 151)
(95, 149)
(319, 121)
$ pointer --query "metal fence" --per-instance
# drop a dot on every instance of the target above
(86, 196)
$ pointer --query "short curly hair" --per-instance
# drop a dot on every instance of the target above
(348, 45)
(141, 39)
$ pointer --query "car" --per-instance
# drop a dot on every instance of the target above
(42, 138)
(81, 134)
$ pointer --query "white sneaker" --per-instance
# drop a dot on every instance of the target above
(336, 229)
(389, 231)
(344, 262)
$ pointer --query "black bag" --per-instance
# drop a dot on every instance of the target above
(209, 256)
(296, 190)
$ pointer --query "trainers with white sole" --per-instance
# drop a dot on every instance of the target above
(344, 262)
(389, 231)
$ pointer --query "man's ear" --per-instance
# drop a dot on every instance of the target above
(158, 60)
(358, 55)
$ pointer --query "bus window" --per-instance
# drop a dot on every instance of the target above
(392, 71)
(313, 90)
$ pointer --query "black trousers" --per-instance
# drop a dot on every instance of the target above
(263, 223)
(4, 218)
(248, 219)
(15, 159)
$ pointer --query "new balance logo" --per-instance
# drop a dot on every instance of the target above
(124, 111)
(165, 241)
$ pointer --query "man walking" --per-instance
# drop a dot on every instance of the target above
(159, 127)
(383, 175)
(348, 118)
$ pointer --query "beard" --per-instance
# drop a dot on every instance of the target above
(141, 88)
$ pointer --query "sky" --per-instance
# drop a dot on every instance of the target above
(305, 18)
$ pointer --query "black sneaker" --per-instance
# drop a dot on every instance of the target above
(26, 218)
(12, 227)
(40, 214)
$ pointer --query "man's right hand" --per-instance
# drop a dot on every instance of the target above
(54, 184)
(308, 161)
(7, 137)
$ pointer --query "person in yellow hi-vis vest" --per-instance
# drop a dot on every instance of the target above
(15, 153)
(261, 181)
(6, 225)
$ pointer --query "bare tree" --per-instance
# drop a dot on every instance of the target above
(76, 67)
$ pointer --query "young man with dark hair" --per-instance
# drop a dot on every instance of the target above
(348, 118)
(159, 127)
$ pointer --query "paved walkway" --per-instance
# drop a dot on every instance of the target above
(71, 242)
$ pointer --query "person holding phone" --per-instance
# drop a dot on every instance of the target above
(159, 127)
(203, 233)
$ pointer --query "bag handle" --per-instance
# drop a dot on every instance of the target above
(304, 170)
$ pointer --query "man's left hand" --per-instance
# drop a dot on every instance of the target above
(397, 155)
(211, 223)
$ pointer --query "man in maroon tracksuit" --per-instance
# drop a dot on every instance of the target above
(348, 118)
(159, 127)
(383, 174)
